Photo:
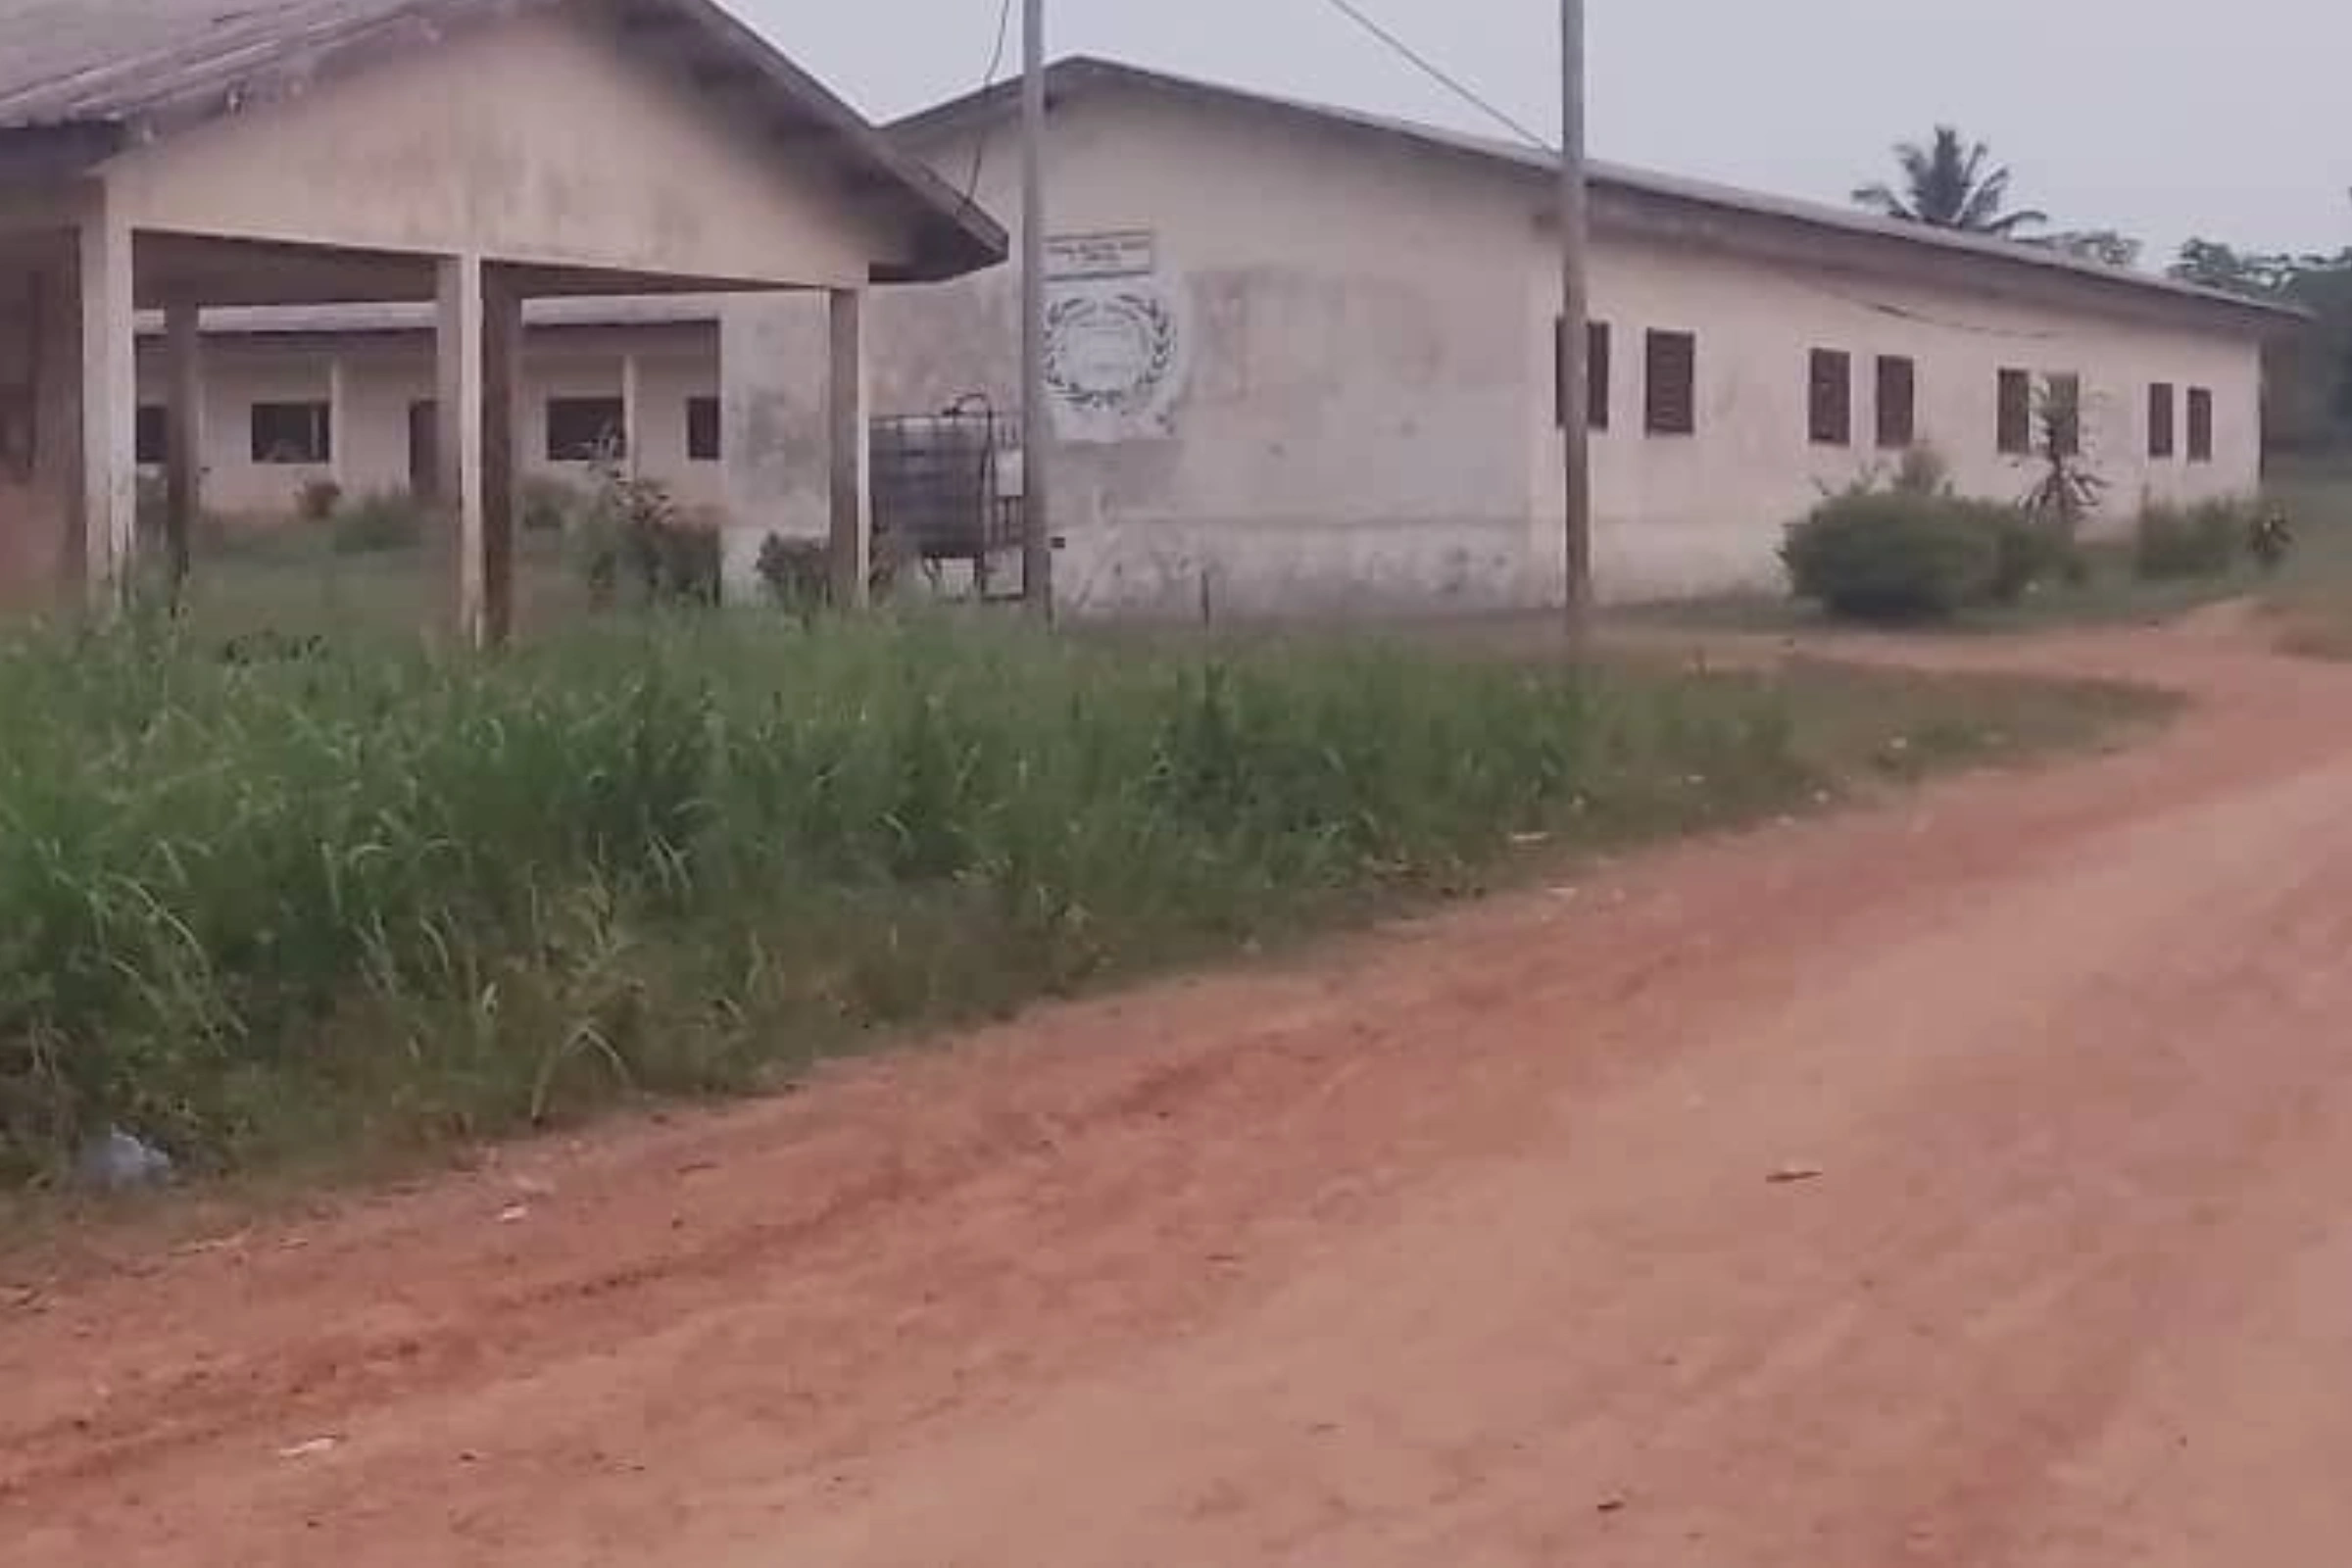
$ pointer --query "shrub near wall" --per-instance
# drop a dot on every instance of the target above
(1899, 556)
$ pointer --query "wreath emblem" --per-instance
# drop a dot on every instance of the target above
(1111, 352)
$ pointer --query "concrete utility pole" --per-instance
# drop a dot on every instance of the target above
(1037, 424)
(1574, 345)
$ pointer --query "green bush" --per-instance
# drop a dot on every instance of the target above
(381, 522)
(249, 904)
(637, 546)
(2199, 541)
(2030, 550)
(554, 505)
(1896, 555)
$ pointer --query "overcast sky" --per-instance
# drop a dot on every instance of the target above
(2161, 118)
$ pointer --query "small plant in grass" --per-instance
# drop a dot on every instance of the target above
(2043, 541)
(2029, 554)
(316, 500)
(553, 506)
(2175, 543)
(793, 572)
(798, 573)
(380, 522)
(152, 500)
(638, 548)
(2067, 487)
(2270, 537)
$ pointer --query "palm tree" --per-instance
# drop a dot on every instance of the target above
(1949, 185)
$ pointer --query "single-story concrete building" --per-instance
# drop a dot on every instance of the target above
(1304, 363)
(1303, 359)
(469, 156)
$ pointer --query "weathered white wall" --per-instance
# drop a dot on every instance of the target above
(380, 376)
(1366, 421)
(777, 446)
(1675, 515)
(544, 139)
(1348, 430)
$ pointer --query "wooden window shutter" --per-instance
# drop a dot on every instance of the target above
(1830, 398)
(1898, 403)
(2200, 424)
(2159, 419)
(1596, 373)
(2015, 418)
(1670, 392)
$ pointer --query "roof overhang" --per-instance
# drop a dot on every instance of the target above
(1639, 203)
(59, 130)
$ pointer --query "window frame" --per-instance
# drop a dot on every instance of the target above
(697, 407)
(316, 450)
(1830, 398)
(1669, 402)
(1596, 375)
(612, 440)
(1905, 368)
(2164, 433)
(151, 437)
(2069, 443)
(2013, 412)
(2200, 424)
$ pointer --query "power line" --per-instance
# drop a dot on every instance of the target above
(1439, 73)
(1471, 96)
(988, 79)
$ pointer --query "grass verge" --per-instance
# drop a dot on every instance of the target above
(2307, 602)
(370, 899)
(2112, 593)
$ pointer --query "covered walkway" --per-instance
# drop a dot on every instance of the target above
(471, 153)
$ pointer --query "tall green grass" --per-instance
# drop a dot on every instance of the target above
(372, 894)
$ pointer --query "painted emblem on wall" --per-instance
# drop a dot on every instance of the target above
(1114, 355)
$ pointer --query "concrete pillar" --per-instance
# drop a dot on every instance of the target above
(457, 367)
(632, 428)
(109, 403)
(478, 350)
(502, 453)
(183, 436)
(339, 448)
(852, 513)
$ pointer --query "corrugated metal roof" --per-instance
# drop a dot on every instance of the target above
(135, 69)
(110, 60)
(1078, 72)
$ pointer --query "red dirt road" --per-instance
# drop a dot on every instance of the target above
(1458, 1244)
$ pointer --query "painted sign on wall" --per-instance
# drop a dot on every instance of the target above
(1121, 253)
(1114, 339)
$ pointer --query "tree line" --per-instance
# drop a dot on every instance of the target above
(1948, 182)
